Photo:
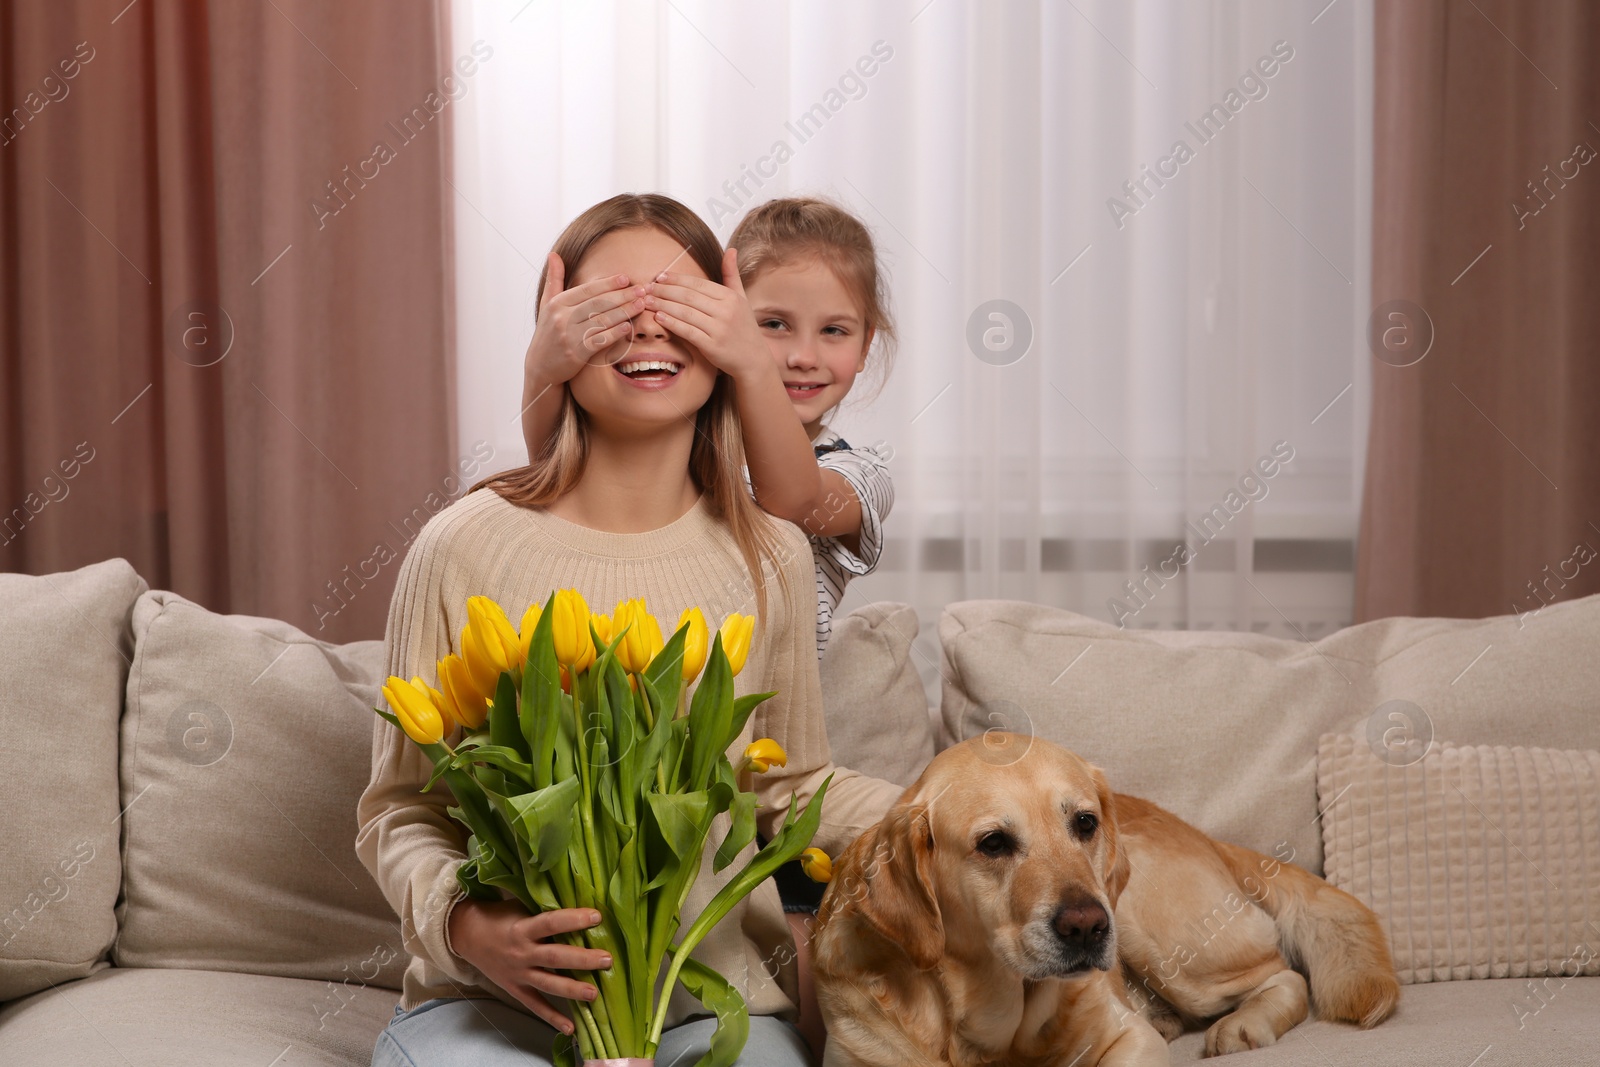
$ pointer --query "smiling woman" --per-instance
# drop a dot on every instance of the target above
(637, 492)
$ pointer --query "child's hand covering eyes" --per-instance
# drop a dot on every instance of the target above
(715, 319)
(578, 326)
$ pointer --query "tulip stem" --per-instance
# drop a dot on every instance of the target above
(590, 1030)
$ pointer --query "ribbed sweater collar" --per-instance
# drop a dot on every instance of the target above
(696, 524)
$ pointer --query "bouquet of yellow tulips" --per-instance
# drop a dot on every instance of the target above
(586, 779)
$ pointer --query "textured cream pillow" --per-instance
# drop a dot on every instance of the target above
(64, 652)
(1483, 862)
(245, 745)
(1222, 727)
(877, 709)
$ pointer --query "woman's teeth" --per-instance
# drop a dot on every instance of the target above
(647, 366)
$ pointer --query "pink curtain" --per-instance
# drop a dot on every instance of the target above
(225, 297)
(1483, 472)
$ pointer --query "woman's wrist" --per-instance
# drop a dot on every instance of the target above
(460, 925)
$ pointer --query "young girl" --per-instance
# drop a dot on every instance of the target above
(811, 275)
(636, 492)
(806, 272)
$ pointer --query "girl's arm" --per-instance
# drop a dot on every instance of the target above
(794, 718)
(864, 475)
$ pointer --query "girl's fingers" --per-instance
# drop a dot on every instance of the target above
(598, 340)
(693, 334)
(682, 294)
(605, 320)
(591, 289)
(686, 281)
(555, 273)
(609, 303)
(685, 313)
(730, 271)
(541, 1007)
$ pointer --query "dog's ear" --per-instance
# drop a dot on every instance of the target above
(1117, 869)
(894, 884)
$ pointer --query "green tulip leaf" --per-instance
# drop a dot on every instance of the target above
(653, 746)
(665, 671)
(467, 873)
(619, 702)
(740, 834)
(673, 757)
(498, 756)
(719, 997)
(742, 707)
(540, 709)
(545, 818)
(505, 731)
(623, 896)
(788, 843)
(683, 822)
(563, 735)
(710, 713)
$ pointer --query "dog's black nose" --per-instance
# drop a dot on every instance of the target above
(1083, 924)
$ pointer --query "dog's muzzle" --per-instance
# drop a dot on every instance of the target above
(1077, 938)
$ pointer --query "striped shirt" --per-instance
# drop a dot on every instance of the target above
(867, 471)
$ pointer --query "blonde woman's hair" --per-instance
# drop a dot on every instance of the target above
(783, 230)
(716, 459)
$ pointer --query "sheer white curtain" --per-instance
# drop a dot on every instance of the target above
(1190, 309)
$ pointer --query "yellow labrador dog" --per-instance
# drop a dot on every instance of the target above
(1001, 911)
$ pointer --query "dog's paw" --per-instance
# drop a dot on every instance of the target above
(1237, 1033)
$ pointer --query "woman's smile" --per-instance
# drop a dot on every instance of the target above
(649, 370)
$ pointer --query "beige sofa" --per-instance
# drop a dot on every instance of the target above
(180, 886)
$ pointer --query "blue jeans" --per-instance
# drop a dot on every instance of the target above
(482, 1032)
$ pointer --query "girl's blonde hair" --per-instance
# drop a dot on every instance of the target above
(716, 459)
(783, 230)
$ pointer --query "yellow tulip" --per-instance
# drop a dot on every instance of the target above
(642, 641)
(570, 627)
(816, 865)
(530, 622)
(765, 753)
(455, 679)
(602, 627)
(446, 708)
(489, 644)
(736, 633)
(696, 643)
(412, 706)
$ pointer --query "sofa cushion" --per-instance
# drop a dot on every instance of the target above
(1446, 1024)
(876, 707)
(67, 646)
(1482, 862)
(1222, 727)
(179, 1018)
(245, 746)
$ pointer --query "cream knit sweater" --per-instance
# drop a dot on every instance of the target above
(482, 544)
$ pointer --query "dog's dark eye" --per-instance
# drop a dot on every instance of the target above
(1086, 824)
(996, 844)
